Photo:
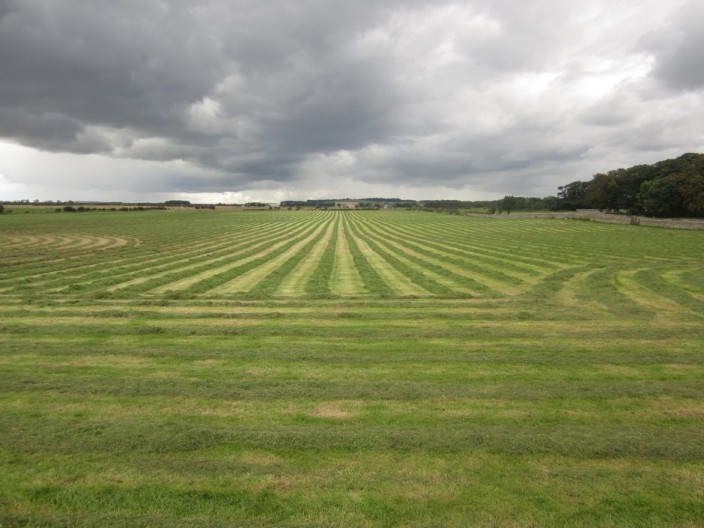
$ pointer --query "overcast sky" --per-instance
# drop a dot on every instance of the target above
(246, 100)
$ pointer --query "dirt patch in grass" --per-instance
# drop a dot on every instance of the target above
(333, 411)
(672, 408)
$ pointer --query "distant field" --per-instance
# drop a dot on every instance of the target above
(348, 368)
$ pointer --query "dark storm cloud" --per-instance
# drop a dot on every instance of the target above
(280, 82)
(485, 94)
(49, 131)
(118, 64)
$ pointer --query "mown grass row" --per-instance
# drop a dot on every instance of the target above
(380, 255)
(166, 242)
(150, 256)
(236, 253)
(352, 369)
(328, 403)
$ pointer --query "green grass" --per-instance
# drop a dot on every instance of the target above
(183, 368)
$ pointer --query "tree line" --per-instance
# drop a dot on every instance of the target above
(669, 188)
(503, 205)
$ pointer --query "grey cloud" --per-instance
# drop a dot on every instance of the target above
(614, 110)
(257, 93)
(346, 108)
(679, 49)
(142, 66)
(126, 64)
(52, 132)
(41, 127)
(682, 67)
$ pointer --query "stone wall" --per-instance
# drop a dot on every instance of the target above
(671, 223)
(595, 215)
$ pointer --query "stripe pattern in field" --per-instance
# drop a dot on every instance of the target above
(37, 246)
(353, 254)
(244, 368)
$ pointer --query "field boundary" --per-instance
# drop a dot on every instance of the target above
(608, 218)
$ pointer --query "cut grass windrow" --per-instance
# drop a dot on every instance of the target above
(295, 283)
(318, 284)
(455, 278)
(527, 246)
(627, 284)
(244, 257)
(436, 283)
(326, 368)
(484, 280)
(476, 244)
(396, 280)
(346, 279)
(511, 262)
(678, 279)
(186, 267)
(247, 281)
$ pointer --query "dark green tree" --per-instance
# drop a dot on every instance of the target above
(603, 192)
(661, 197)
(508, 204)
(673, 187)
(573, 195)
(551, 203)
(691, 189)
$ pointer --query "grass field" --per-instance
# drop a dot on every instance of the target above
(312, 368)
